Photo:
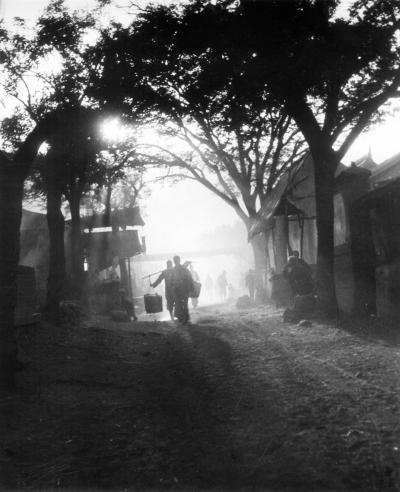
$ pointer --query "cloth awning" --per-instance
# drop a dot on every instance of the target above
(102, 247)
(119, 218)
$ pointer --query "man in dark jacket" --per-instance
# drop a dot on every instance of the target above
(302, 262)
(182, 284)
(299, 277)
(166, 275)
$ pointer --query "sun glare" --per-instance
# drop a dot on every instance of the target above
(111, 130)
(382, 140)
(44, 148)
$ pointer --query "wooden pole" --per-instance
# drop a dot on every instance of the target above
(129, 278)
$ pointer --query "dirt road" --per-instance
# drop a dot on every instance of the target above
(236, 401)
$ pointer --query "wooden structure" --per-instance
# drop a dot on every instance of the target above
(107, 237)
(288, 220)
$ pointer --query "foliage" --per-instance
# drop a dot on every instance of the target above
(119, 181)
(332, 73)
(233, 140)
(47, 68)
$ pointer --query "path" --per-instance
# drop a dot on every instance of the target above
(234, 401)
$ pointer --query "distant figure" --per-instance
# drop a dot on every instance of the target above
(209, 285)
(232, 292)
(299, 277)
(166, 275)
(127, 304)
(196, 280)
(222, 284)
(296, 254)
(250, 282)
(182, 285)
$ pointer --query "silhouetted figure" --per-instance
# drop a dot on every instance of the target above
(302, 262)
(196, 281)
(182, 284)
(250, 282)
(222, 284)
(232, 292)
(127, 304)
(299, 277)
(167, 275)
(209, 285)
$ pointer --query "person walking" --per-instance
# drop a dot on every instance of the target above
(250, 283)
(209, 286)
(222, 283)
(166, 275)
(182, 284)
(196, 280)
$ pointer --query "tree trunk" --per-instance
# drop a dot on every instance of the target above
(324, 192)
(11, 191)
(325, 164)
(107, 211)
(57, 274)
(281, 239)
(259, 246)
(76, 245)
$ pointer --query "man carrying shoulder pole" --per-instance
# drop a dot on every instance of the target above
(166, 275)
(182, 283)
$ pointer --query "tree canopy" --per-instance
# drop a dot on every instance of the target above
(230, 139)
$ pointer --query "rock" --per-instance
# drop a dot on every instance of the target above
(305, 322)
(243, 302)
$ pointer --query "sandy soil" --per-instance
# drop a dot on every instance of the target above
(235, 401)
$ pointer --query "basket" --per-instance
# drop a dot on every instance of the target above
(195, 293)
(153, 303)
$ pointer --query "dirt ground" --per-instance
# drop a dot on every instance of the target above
(235, 401)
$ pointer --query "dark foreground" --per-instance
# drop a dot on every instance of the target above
(237, 401)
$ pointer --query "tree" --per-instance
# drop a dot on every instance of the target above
(120, 176)
(13, 173)
(333, 94)
(70, 169)
(331, 74)
(50, 110)
(234, 143)
(58, 41)
(119, 183)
